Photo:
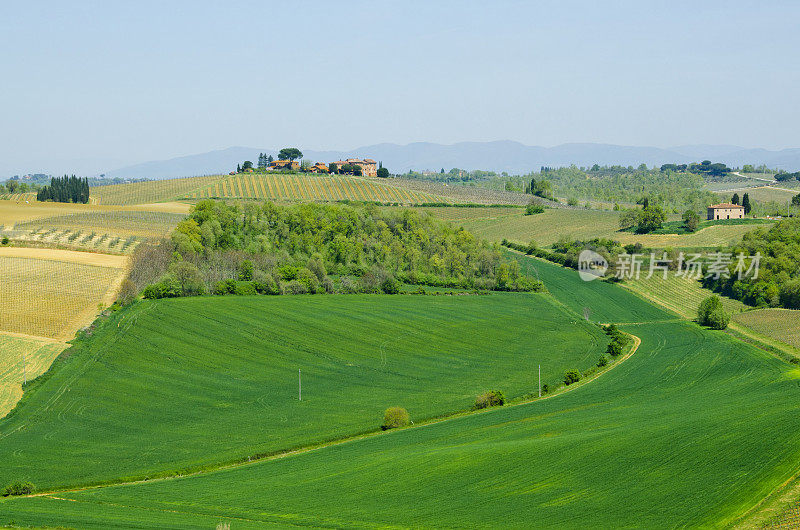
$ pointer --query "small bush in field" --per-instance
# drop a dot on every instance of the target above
(395, 417)
(492, 398)
(571, 376)
(18, 488)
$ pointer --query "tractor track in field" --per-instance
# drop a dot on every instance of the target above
(323, 445)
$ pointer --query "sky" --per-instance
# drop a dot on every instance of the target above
(100, 85)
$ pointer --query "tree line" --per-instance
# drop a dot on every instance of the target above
(65, 189)
(778, 281)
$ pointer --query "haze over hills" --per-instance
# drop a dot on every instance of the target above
(499, 156)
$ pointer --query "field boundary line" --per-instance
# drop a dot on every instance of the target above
(354, 438)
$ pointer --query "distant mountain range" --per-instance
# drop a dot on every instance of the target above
(499, 156)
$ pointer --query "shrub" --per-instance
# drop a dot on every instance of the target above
(167, 287)
(295, 287)
(602, 361)
(265, 284)
(224, 287)
(691, 221)
(316, 265)
(308, 279)
(571, 376)
(127, 293)
(348, 286)
(18, 488)
(492, 398)
(390, 285)
(246, 270)
(533, 209)
(188, 277)
(244, 288)
(614, 348)
(395, 417)
(5, 240)
(712, 314)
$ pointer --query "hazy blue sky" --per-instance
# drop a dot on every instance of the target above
(110, 83)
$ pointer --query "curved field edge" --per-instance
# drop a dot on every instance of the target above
(260, 459)
(607, 455)
(194, 367)
(675, 436)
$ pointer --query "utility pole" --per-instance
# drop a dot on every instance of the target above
(299, 385)
(540, 380)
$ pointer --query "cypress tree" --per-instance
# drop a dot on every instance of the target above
(746, 204)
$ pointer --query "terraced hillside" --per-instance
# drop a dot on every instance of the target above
(188, 383)
(674, 436)
(308, 187)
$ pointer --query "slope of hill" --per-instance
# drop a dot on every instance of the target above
(181, 384)
(309, 187)
(504, 155)
(675, 436)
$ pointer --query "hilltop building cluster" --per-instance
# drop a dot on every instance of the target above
(366, 167)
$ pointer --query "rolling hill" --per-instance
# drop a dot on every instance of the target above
(174, 385)
(693, 430)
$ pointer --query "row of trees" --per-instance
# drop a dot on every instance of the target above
(706, 168)
(784, 176)
(310, 248)
(65, 189)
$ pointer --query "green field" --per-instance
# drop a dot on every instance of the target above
(678, 294)
(693, 430)
(309, 187)
(778, 324)
(496, 224)
(22, 358)
(187, 383)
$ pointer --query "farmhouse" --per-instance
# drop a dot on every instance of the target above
(369, 168)
(284, 164)
(725, 211)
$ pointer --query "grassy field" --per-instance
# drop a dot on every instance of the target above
(496, 224)
(692, 430)
(191, 382)
(779, 324)
(53, 293)
(22, 358)
(678, 294)
(152, 191)
(764, 194)
(307, 187)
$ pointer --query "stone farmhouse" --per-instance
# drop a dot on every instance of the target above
(725, 211)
